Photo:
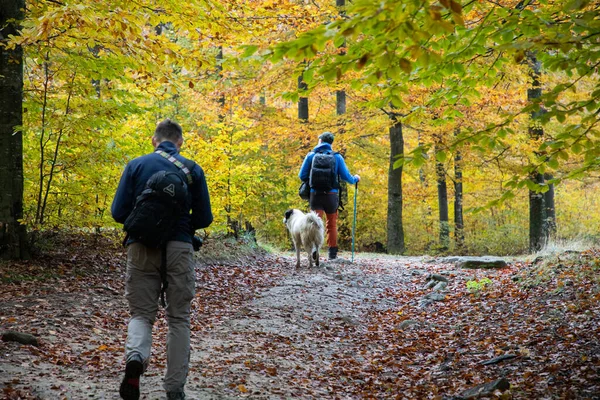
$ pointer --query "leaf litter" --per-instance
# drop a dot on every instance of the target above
(263, 330)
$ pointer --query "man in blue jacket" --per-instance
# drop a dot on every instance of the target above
(143, 283)
(327, 201)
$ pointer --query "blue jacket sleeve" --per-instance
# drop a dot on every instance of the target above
(304, 174)
(124, 200)
(202, 215)
(343, 170)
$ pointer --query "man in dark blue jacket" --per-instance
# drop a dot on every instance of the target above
(143, 283)
(327, 202)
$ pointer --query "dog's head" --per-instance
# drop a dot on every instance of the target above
(288, 215)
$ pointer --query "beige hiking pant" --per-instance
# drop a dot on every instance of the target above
(142, 291)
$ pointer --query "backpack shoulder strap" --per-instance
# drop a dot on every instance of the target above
(178, 164)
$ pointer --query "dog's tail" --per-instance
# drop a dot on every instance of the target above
(313, 218)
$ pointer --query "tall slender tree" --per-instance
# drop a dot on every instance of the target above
(459, 234)
(340, 94)
(395, 229)
(13, 240)
(340, 109)
(302, 101)
(549, 206)
(442, 190)
(537, 208)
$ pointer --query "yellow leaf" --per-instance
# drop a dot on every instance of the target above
(242, 389)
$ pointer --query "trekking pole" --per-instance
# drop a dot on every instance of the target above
(354, 223)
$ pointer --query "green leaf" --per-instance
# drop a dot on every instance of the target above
(563, 155)
(249, 50)
(553, 163)
(441, 156)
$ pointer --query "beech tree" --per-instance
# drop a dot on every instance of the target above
(13, 243)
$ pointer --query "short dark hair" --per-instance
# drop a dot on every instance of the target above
(168, 130)
(326, 137)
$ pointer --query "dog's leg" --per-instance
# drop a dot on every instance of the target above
(309, 256)
(297, 255)
(316, 255)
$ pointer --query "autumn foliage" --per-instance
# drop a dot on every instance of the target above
(99, 75)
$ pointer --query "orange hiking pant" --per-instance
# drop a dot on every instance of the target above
(331, 227)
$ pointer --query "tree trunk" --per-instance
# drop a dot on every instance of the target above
(221, 99)
(537, 235)
(344, 223)
(442, 205)
(537, 219)
(232, 223)
(302, 101)
(549, 205)
(395, 230)
(459, 235)
(13, 236)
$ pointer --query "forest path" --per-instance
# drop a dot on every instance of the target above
(381, 327)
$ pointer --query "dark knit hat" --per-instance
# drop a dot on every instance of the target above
(326, 137)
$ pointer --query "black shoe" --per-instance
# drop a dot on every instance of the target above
(333, 253)
(130, 386)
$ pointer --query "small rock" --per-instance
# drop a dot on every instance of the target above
(440, 286)
(437, 277)
(340, 260)
(430, 284)
(348, 320)
(424, 303)
(486, 389)
(485, 264)
(450, 259)
(537, 260)
(406, 323)
(435, 296)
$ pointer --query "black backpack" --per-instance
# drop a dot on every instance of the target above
(158, 209)
(323, 177)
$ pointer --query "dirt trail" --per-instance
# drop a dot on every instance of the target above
(381, 327)
(289, 330)
(253, 346)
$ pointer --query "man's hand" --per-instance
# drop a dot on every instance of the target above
(357, 178)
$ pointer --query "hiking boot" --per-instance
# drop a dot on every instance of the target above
(175, 396)
(130, 386)
(333, 253)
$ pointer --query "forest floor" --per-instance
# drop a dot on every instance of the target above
(381, 327)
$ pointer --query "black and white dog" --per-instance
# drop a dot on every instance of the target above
(307, 233)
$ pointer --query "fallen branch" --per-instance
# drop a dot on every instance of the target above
(23, 338)
(499, 359)
(109, 289)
